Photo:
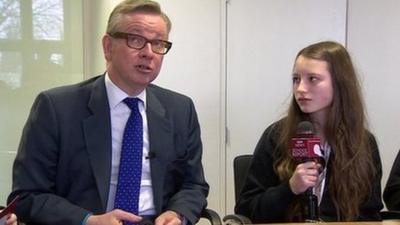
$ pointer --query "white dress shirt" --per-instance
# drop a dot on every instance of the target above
(120, 113)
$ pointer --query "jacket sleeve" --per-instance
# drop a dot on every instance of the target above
(189, 198)
(391, 194)
(35, 171)
(264, 198)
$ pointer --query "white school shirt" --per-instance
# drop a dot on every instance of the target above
(320, 187)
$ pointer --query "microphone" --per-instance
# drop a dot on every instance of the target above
(306, 147)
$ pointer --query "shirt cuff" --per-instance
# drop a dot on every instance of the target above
(184, 221)
(86, 218)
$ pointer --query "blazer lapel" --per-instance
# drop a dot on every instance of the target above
(161, 143)
(97, 130)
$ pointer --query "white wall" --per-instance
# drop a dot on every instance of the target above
(373, 39)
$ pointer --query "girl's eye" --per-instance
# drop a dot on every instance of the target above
(296, 80)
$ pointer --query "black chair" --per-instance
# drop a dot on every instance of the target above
(241, 166)
(211, 216)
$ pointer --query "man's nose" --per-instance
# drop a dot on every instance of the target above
(146, 51)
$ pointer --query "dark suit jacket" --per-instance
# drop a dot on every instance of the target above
(391, 194)
(62, 169)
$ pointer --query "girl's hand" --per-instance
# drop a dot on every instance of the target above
(304, 177)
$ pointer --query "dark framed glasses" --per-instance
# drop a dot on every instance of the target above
(138, 42)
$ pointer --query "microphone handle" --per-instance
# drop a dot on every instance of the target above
(311, 210)
(309, 191)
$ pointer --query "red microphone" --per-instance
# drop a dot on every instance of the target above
(306, 147)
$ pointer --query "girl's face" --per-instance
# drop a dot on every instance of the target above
(312, 87)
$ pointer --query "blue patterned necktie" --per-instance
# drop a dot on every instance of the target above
(130, 166)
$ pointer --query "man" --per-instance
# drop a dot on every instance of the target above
(391, 193)
(68, 166)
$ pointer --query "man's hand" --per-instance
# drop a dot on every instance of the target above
(11, 219)
(115, 217)
(169, 218)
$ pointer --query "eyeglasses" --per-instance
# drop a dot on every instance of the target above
(138, 42)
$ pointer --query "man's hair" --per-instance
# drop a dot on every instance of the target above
(132, 6)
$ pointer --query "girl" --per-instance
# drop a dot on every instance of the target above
(326, 92)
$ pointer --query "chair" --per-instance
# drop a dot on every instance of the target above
(211, 216)
(241, 165)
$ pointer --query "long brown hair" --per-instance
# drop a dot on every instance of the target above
(350, 164)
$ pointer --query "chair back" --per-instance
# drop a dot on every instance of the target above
(241, 165)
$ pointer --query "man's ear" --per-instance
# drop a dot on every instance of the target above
(107, 47)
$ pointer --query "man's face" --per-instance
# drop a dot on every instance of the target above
(132, 69)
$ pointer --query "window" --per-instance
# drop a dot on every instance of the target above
(40, 47)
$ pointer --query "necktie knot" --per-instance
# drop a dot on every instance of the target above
(132, 103)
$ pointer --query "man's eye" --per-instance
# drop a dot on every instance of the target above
(136, 40)
(158, 44)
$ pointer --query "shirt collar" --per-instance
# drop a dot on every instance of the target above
(116, 95)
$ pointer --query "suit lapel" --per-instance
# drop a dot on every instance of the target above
(161, 143)
(97, 130)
